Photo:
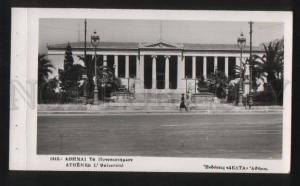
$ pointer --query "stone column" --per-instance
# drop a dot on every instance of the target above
(137, 65)
(116, 65)
(226, 66)
(194, 68)
(154, 72)
(167, 73)
(179, 72)
(126, 66)
(215, 63)
(141, 73)
(183, 67)
(204, 67)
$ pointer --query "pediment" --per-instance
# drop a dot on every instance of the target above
(160, 45)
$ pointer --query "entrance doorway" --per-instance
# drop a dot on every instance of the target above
(148, 72)
(160, 72)
(173, 72)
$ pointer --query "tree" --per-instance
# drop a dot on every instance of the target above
(113, 83)
(50, 91)
(44, 69)
(271, 62)
(217, 83)
(68, 61)
(89, 70)
(70, 76)
(271, 65)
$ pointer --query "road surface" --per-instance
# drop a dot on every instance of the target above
(249, 136)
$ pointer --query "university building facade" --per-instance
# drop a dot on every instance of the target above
(159, 67)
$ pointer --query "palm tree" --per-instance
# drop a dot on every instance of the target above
(271, 62)
(271, 66)
(44, 69)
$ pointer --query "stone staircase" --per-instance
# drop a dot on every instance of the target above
(160, 102)
(157, 98)
(202, 97)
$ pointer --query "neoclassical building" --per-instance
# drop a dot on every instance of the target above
(159, 67)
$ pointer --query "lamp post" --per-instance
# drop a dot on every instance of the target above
(251, 66)
(241, 42)
(95, 40)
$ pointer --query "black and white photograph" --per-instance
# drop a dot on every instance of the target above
(161, 88)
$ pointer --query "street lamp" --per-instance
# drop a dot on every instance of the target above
(95, 40)
(241, 42)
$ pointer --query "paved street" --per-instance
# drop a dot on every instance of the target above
(183, 135)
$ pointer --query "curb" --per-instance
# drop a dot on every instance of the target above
(95, 112)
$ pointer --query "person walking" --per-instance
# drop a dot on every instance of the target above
(182, 103)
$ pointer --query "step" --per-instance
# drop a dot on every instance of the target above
(150, 107)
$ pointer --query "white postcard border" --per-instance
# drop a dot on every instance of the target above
(23, 120)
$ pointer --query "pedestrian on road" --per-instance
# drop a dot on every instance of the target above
(182, 103)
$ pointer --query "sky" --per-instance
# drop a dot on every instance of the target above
(58, 31)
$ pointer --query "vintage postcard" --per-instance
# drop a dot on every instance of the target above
(151, 90)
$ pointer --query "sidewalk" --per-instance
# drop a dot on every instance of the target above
(119, 108)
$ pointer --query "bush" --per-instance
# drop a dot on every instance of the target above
(217, 83)
(268, 97)
(233, 93)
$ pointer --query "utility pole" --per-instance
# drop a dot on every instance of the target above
(86, 79)
(85, 41)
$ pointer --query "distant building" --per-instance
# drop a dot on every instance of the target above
(159, 67)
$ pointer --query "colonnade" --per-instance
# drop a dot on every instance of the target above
(140, 63)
